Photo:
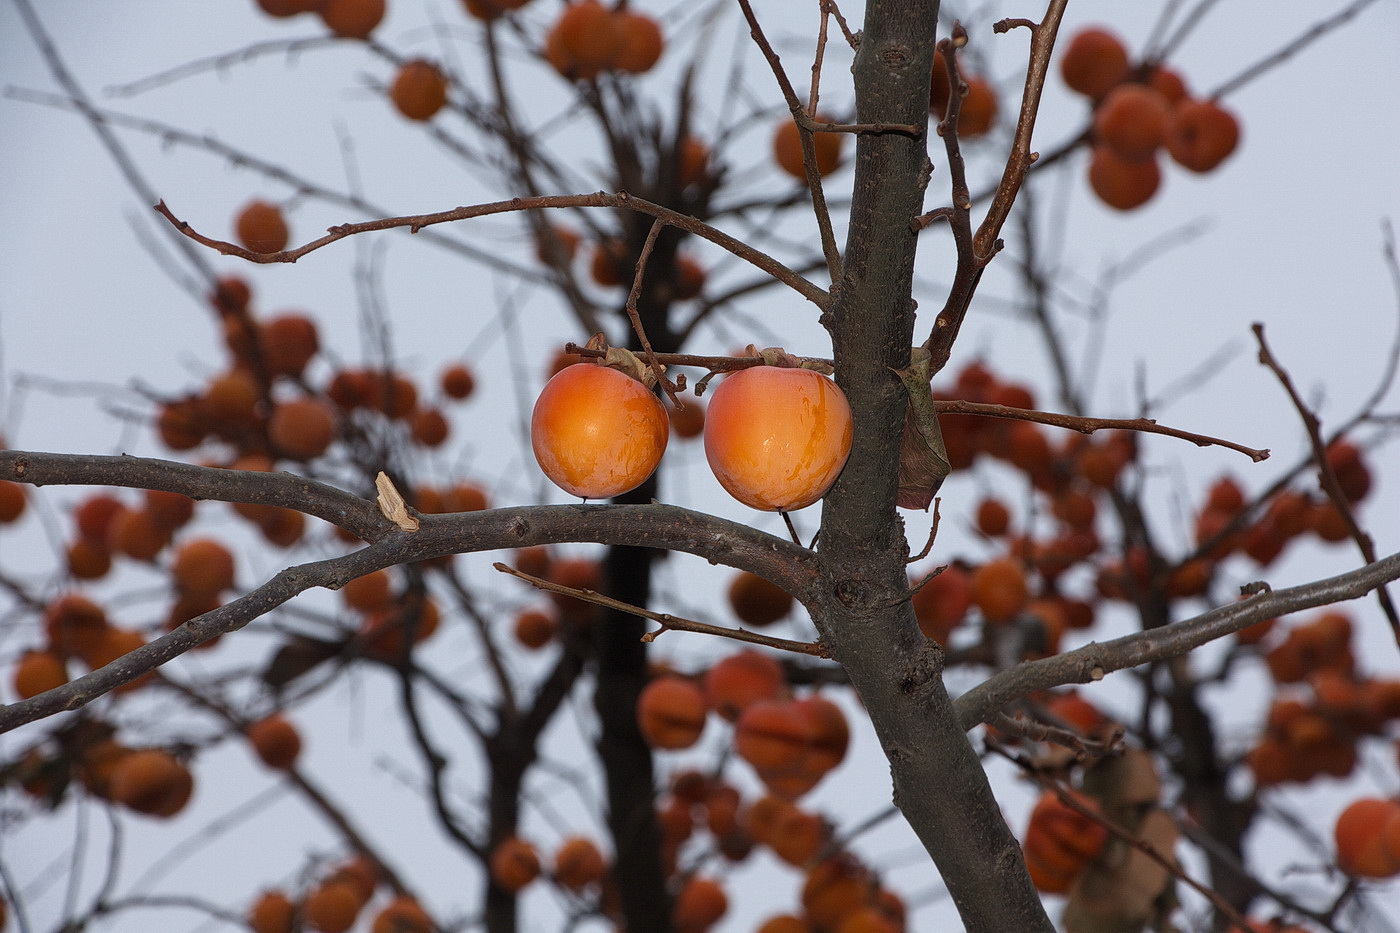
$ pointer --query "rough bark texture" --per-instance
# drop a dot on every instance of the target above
(866, 618)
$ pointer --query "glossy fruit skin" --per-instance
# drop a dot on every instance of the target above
(597, 432)
(777, 438)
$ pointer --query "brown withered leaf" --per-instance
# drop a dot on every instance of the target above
(923, 460)
(1124, 782)
(1125, 889)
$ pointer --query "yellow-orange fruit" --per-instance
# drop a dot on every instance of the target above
(202, 567)
(835, 888)
(776, 438)
(1094, 62)
(232, 399)
(429, 427)
(88, 560)
(979, 108)
(1132, 121)
(74, 625)
(671, 713)
(1122, 184)
(772, 735)
(261, 227)
(993, 517)
(134, 534)
(94, 516)
(301, 428)
(829, 732)
(402, 915)
(276, 741)
(419, 90)
(332, 907)
(180, 424)
(735, 683)
(585, 40)
(1360, 838)
(787, 149)
(1060, 841)
(942, 602)
(578, 863)
(597, 432)
(757, 601)
(151, 781)
(490, 9)
(168, 511)
(1201, 135)
(798, 837)
(272, 912)
(12, 501)
(699, 905)
(641, 42)
(351, 19)
(360, 872)
(514, 864)
(692, 161)
(287, 343)
(610, 265)
(535, 629)
(369, 593)
(38, 671)
(457, 382)
(999, 589)
(689, 421)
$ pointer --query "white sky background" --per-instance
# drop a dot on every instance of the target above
(1294, 241)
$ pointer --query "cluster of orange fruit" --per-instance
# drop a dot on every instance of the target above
(839, 893)
(149, 781)
(1140, 109)
(776, 437)
(348, 19)
(335, 903)
(589, 39)
(790, 743)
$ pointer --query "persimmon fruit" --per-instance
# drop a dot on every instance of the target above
(671, 713)
(1360, 835)
(351, 19)
(332, 907)
(202, 567)
(151, 781)
(787, 149)
(776, 437)
(272, 912)
(458, 382)
(1094, 62)
(1201, 135)
(261, 227)
(287, 343)
(1120, 183)
(597, 432)
(1132, 121)
(276, 741)
(419, 90)
(578, 863)
(39, 670)
(641, 42)
(758, 601)
(514, 864)
(738, 681)
(302, 428)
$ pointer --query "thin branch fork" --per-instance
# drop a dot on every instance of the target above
(620, 200)
(666, 620)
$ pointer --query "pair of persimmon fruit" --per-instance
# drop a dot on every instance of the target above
(776, 437)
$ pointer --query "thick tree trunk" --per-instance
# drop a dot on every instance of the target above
(867, 620)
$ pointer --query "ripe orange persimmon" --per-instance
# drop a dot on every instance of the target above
(784, 923)
(534, 629)
(457, 382)
(1094, 62)
(641, 43)
(429, 426)
(1201, 135)
(578, 863)
(151, 781)
(689, 421)
(301, 428)
(514, 863)
(597, 432)
(369, 593)
(671, 713)
(332, 907)
(1122, 184)
(272, 912)
(402, 915)
(999, 589)
(38, 671)
(777, 437)
(74, 625)
(276, 741)
(773, 735)
(735, 683)
(287, 343)
(585, 41)
(979, 108)
(202, 567)
(351, 19)
(12, 501)
(942, 602)
(419, 89)
(1361, 834)
(169, 511)
(490, 9)
(261, 227)
(787, 149)
(758, 601)
(284, 8)
(699, 905)
(692, 161)
(88, 560)
(1132, 121)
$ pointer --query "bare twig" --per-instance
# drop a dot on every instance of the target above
(621, 199)
(667, 621)
(1301, 42)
